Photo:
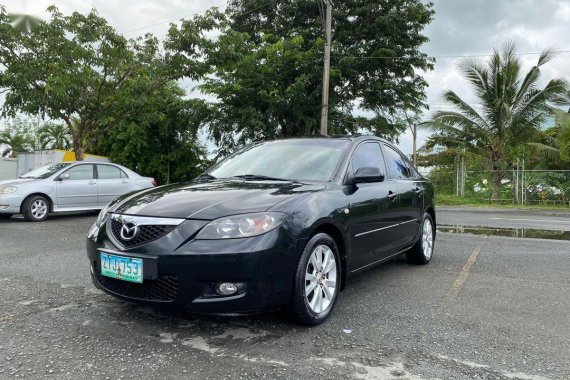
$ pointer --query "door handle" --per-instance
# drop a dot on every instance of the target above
(419, 191)
(92, 182)
(124, 181)
(392, 196)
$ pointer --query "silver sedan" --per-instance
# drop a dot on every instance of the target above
(68, 186)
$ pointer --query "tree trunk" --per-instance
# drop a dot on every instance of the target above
(497, 176)
(78, 147)
(496, 184)
(79, 153)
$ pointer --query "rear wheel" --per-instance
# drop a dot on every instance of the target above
(36, 208)
(317, 281)
(422, 252)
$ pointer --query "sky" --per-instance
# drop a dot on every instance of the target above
(460, 28)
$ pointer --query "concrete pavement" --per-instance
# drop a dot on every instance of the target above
(484, 308)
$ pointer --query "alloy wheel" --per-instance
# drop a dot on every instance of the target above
(39, 209)
(321, 279)
(427, 239)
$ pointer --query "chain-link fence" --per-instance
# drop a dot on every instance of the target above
(547, 187)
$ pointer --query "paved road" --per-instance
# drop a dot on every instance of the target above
(485, 308)
(505, 218)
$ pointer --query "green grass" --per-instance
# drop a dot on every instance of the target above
(453, 200)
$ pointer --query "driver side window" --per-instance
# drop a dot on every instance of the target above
(368, 155)
(80, 172)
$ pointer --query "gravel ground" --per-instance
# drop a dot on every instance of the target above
(485, 308)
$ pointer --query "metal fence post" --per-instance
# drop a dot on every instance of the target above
(523, 192)
(463, 174)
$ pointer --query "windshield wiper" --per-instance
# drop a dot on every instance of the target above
(253, 177)
(205, 177)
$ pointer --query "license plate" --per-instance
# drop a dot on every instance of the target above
(122, 268)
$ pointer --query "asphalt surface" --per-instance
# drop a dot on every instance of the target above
(484, 308)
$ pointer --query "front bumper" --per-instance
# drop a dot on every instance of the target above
(10, 203)
(185, 277)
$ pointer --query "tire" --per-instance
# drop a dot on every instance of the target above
(5, 216)
(36, 208)
(315, 307)
(422, 252)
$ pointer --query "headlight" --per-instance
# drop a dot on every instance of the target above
(8, 189)
(241, 226)
(102, 215)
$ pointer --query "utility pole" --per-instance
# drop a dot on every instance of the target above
(326, 68)
(414, 130)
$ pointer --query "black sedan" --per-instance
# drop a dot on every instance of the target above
(279, 223)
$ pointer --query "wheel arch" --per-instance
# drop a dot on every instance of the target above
(49, 199)
(335, 232)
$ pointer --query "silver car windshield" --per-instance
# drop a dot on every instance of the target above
(296, 159)
(46, 171)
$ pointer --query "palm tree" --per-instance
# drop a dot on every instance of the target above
(14, 142)
(556, 143)
(24, 23)
(512, 109)
(54, 136)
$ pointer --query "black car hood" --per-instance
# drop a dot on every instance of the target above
(211, 200)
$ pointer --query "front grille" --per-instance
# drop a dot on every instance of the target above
(163, 289)
(146, 234)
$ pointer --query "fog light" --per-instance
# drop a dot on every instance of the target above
(226, 289)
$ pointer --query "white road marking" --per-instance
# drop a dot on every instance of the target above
(390, 371)
(464, 274)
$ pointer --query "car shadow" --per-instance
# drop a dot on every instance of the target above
(59, 216)
(276, 321)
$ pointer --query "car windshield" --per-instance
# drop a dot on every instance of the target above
(302, 159)
(46, 171)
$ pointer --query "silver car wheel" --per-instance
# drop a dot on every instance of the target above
(321, 279)
(427, 239)
(39, 209)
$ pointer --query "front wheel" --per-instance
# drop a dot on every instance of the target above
(36, 208)
(317, 281)
(422, 252)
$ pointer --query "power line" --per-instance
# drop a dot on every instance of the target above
(168, 21)
(197, 14)
(449, 56)
(439, 56)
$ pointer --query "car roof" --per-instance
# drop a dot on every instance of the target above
(356, 137)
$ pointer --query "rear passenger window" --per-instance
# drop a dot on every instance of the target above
(397, 164)
(110, 172)
(368, 155)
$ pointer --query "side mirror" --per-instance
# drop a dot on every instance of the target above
(64, 176)
(368, 174)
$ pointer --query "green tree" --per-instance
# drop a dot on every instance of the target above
(513, 108)
(162, 141)
(16, 138)
(79, 70)
(54, 136)
(266, 66)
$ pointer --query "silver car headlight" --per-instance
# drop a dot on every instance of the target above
(241, 226)
(8, 189)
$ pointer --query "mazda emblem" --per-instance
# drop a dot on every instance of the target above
(129, 231)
